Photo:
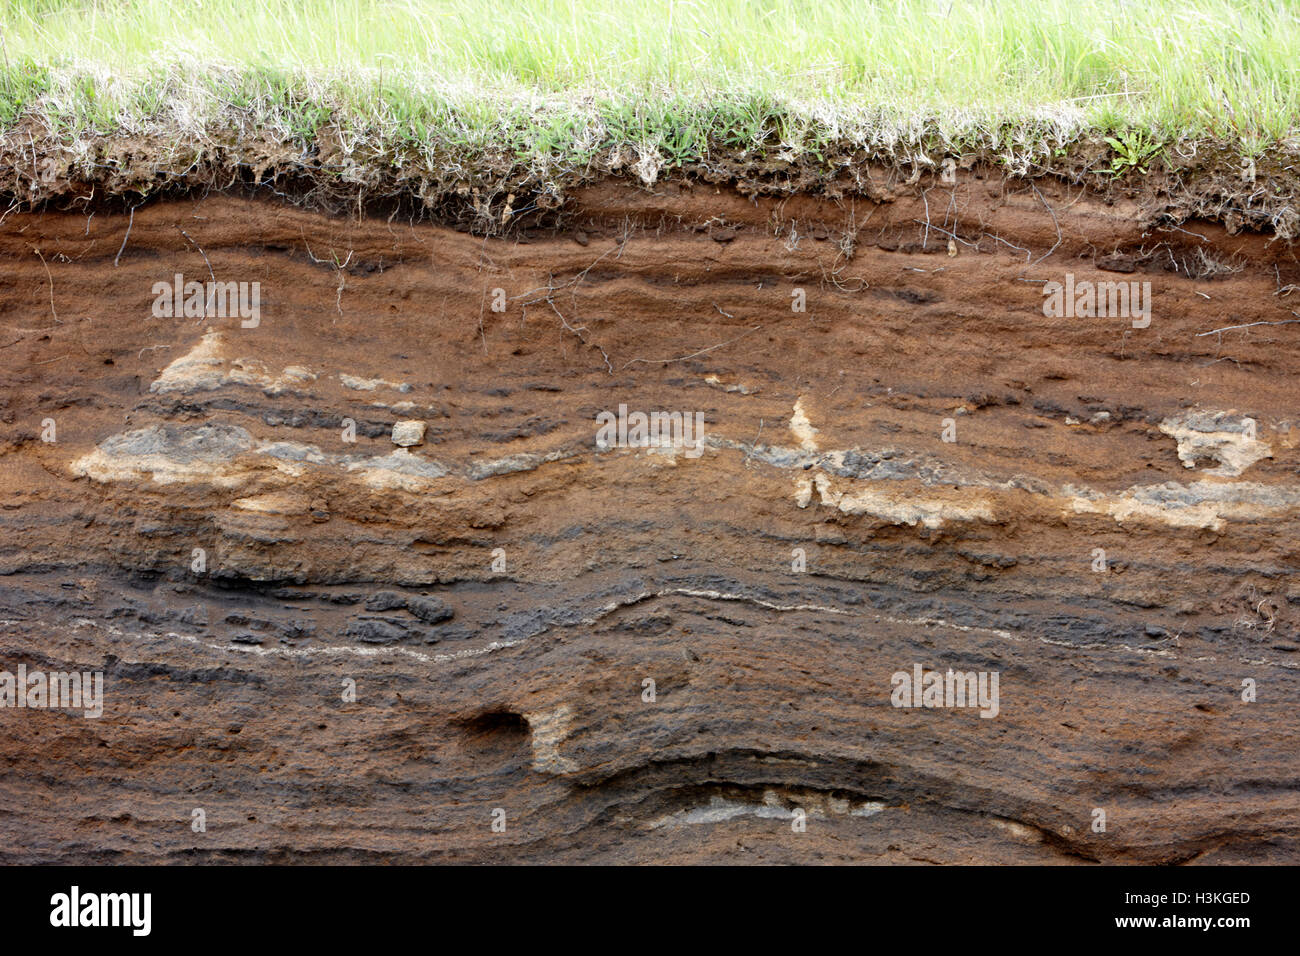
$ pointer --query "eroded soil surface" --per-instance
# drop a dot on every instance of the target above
(514, 679)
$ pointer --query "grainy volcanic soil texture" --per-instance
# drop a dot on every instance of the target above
(1112, 528)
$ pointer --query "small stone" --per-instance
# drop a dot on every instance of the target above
(196, 615)
(347, 599)
(386, 601)
(429, 610)
(375, 631)
(296, 630)
(408, 433)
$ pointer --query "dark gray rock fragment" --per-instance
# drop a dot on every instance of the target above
(430, 610)
(386, 601)
(374, 630)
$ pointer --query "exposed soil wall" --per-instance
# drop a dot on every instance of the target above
(1102, 509)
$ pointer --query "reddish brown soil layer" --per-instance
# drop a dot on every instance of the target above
(1120, 690)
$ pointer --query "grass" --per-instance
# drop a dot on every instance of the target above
(653, 84)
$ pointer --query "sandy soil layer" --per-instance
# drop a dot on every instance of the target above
(905, 462)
